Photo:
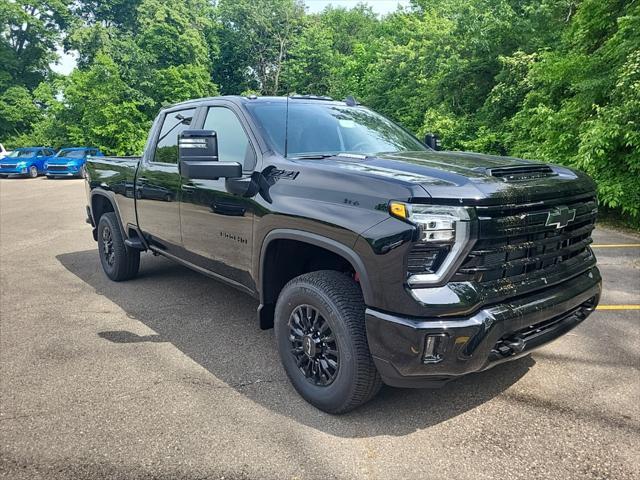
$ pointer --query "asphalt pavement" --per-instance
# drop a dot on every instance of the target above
(169, 376)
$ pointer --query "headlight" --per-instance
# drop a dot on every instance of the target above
(46, 165)
(21, 164)
(443, 238)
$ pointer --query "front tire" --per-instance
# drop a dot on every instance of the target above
(322, 342)
(119, 262)
(33, 171)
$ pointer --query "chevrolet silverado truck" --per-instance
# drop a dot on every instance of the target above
(376, 258)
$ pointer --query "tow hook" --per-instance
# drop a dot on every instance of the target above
(510, 346)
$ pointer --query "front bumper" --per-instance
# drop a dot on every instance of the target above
(491, 336)
(63, 171)
(15, 171)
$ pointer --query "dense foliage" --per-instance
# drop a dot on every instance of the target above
(556, 80)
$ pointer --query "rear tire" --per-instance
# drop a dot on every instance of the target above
(119, 262)
(310, 344)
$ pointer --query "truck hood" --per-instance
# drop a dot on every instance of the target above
(468, 178)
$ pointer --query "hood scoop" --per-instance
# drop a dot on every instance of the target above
(517, 173)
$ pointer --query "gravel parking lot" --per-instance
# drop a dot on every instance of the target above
(169, 376)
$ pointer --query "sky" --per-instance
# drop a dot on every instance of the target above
(67, 61)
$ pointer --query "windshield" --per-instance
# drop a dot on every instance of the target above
(330, 129)
(22, 154)
(71, 154)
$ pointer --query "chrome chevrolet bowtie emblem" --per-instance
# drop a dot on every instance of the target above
(560, 217)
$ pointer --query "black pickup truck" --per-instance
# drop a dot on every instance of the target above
(376, 258)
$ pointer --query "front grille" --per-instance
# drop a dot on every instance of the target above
(57, 167)
(515, 243)
(8, 165)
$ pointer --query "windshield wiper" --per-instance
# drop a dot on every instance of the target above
(308, 156)
(311, 156)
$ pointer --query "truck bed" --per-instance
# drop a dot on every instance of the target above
(116, 174)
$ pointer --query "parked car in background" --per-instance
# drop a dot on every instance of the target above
(27, 161)
(3, 152)
(70, 162)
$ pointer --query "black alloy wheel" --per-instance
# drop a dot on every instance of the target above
(313, 345)
(107, 245)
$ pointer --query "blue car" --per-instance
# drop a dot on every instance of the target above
(70, 162)
(27, 161)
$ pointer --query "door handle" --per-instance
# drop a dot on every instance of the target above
(228, 208)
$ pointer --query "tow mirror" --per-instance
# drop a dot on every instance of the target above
(198, 156)
(432, 140)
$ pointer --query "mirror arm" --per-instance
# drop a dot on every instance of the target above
(245, 186)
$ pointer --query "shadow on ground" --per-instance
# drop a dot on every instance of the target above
(216, 327)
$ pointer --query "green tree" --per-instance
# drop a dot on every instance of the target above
(255, 37)
(310, 63)
(29, 34)
(102, 110)
(18, 111)
(582, 109)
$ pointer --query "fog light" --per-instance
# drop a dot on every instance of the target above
(434, 347)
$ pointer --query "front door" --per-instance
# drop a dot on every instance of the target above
(157, 185)
(217, 226)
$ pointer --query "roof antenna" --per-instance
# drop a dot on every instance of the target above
(286, 126)
(350, 101)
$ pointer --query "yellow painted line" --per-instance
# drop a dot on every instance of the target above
(618, 307)
(616, 245)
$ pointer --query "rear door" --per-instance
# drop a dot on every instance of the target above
(217, 226)
(157, 187)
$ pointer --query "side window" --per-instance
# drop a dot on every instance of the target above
(172, 125)
(233, 143)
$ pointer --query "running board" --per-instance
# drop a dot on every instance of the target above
(134, 243)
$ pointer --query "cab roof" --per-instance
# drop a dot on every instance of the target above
(240, 99)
